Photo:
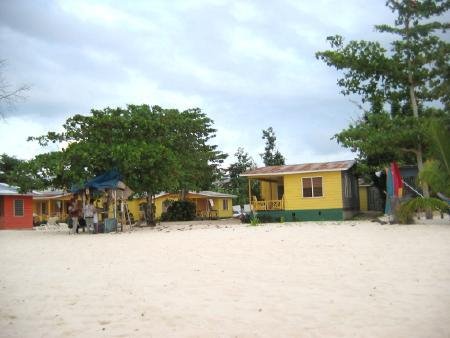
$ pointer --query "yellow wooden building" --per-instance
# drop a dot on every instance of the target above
(208, 204)
(306, 192)
(52, 203)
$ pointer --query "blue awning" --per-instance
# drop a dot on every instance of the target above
(108, 180)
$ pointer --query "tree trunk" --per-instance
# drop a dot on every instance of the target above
(419, 153)
(413, 99)
(150, 212)
(183, 193)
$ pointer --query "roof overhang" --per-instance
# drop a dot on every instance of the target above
(295, 169)
(203, 195)
(52, 197)
(292, 173)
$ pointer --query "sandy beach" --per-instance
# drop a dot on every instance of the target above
(224, 279)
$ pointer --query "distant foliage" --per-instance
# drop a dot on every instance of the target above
(179, 211)
(271, 155)
(436, 171)
(238, 185)
(20, 173)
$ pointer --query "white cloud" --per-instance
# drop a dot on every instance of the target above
(139, 89)
(246, 12)
(248, 65)
(246, 43)
(105, 15)
(14, 132)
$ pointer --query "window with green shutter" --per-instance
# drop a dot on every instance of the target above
(19, 208)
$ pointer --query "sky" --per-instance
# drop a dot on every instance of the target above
(248, 65)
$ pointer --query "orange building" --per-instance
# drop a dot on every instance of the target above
(16, 210)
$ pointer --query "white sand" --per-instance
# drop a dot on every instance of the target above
(343, 279)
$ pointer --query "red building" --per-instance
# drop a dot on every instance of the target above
(16, 210)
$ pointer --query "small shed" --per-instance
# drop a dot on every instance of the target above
(16, 210)
(113, 191)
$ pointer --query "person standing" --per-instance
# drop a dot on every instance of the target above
(89, 211)
(95, 219)
(74, 213)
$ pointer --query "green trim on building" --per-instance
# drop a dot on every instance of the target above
(301, 215)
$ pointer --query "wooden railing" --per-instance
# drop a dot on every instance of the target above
(205, 214)
(268, 205)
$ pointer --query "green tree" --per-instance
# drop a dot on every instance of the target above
(436, 170)
(8, 164)
(19, 173)
(154, 149)
(239, 185)
(271, 155)
(408, 78)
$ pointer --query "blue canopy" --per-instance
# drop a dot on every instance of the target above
(108, 180)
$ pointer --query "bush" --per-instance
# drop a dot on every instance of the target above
(406, 211)
(254, 220)
(179, 211)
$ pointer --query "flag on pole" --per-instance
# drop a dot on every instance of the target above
(396, 180)
(394, 186)
(389, 191)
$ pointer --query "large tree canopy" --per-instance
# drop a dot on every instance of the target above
(404, 85)
(154, 149)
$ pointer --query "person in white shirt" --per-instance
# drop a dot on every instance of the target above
(89, 211)
(96, 220)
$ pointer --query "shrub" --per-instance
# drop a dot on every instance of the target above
(254, 220)
(179, 211)
(406, 210)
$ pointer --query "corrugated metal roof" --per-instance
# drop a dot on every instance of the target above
(51, 195)
(300, 168)
(210, 194)
(49, 192)
(214, 194)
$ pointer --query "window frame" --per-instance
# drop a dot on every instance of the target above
(15, 207)
(225, 204)
(44, 208)
(311, 178)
